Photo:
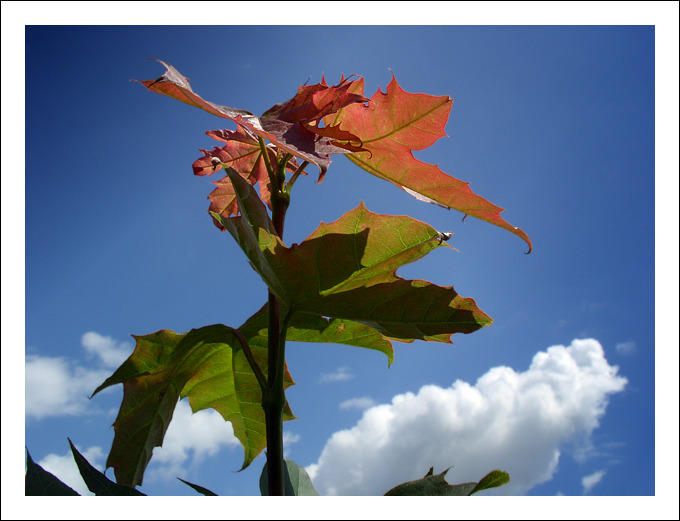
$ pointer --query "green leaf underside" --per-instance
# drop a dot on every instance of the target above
(296, 480)
(436, 485)
(305, 327)
(199, 488)
(97, 482)
(39, 482)
(360, 284)
(207, 366)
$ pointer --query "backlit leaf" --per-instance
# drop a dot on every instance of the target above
(493, 479)
(305, 327)
(242, 153)
(207, 366)
(362, 285)
(395, 124)
(296, 133)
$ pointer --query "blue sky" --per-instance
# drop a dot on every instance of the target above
(556, 124)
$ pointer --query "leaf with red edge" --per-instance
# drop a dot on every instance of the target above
(297, 137)
(173, 84)
(243, 153)
(313, 102)
(395, 124)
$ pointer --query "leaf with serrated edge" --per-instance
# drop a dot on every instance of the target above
(292, 135)
(241, 152)
(391, 127)
(305, 327)
(433, 485)
(361, 286)
(207, 366)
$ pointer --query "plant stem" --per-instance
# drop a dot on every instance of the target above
(265, 157)
(273, 402)
(273, 398)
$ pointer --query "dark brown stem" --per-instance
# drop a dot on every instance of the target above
(273, 397)
(273, 403)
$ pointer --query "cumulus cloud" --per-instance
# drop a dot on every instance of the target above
(189, 440)
(110, 352)
(289, 438)
(57, 387)
(625, 348)
(342, 373)
(64, 467)
(515, 421)
(590, 481)
(357, 403)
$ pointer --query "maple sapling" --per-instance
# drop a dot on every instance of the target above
(339, 285)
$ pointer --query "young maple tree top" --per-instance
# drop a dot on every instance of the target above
(329, 297)
(377, 134)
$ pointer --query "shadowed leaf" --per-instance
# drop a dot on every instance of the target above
(436, 485)
(296, 480)
(39, 482)
(305, 327)
(199, 488)
(361, 286)
(97, 482)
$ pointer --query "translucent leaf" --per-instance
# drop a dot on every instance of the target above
(361, 285)
(207, 366)
(391, 127)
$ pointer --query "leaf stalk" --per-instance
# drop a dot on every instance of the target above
(296, 174)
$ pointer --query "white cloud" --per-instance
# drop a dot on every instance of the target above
(289, 439)
(55, 387)
(625, 348)
(357, 403)
(64, 467)
(513, 421)
(190, 438)
(342, 373)
(110, 352)
(590, 481)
